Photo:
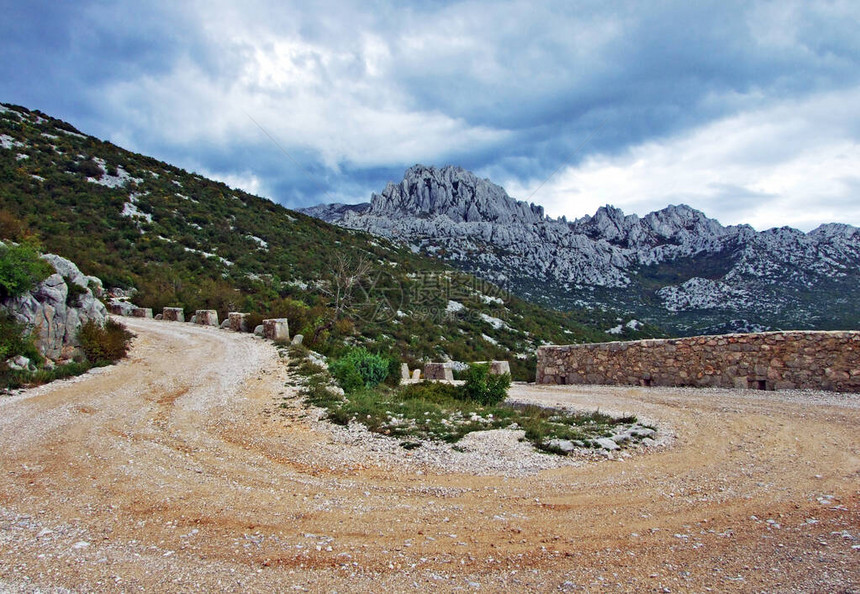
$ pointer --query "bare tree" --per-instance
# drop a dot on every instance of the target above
(345, 277)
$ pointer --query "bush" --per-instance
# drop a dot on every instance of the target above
(483, 387)
(21, 269)
(76, 291)
(359, 368)
(15, 340)
(104, 344)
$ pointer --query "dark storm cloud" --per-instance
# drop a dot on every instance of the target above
(353, 93)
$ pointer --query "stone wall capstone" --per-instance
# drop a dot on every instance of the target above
(764, 361)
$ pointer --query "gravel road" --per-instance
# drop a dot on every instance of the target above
(176, 470)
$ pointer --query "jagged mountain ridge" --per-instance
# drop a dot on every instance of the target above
(675, 266)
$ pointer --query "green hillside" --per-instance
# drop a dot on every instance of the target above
(182, 240)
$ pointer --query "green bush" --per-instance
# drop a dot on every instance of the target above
(104, 344)
(21, 269)
(76, 291)
(359, 368)
(483, 387)
(15, 340)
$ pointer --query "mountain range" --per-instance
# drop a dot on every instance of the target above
(675, 267)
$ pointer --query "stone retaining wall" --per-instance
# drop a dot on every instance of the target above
(764, 361)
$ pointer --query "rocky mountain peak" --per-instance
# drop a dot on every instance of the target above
(453, 192)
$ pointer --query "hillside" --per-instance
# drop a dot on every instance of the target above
(675, 268)
(179, 239)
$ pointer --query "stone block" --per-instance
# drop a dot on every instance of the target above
(238, 322)
(120, 308)
(206, 317)
(416, 374)
(141, 312)
(297, 339)
(276, 329)
(404, 371)
(438, 371)
(173, 314)
(500, 368)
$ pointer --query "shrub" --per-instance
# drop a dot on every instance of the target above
(76, 291)
(21, 269)
(15, 340)
(359, 368)
(483, 387)
(104, 344)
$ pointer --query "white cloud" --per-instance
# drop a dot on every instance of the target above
(792, 163)
(333, 100)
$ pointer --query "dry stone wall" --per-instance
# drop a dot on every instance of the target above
(764, 361)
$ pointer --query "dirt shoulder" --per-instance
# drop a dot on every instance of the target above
(176, 471)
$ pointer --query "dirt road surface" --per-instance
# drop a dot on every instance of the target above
(176, 471)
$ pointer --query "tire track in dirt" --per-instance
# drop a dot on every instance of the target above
(176, 471)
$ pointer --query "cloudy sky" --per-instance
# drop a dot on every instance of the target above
(748, 111)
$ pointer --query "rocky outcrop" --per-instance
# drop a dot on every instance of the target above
(54, 316)
(670, 261)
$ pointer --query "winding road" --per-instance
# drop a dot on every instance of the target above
(177, 470)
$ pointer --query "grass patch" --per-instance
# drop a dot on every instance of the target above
(438, 412)
(14, 379)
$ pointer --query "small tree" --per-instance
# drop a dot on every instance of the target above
(104, 344)
(346, 276)
(21, 269)
(360, 368)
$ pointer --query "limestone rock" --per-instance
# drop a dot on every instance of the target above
(120, 307)
(416, 374)
(258, 330)
(404, 371)
(20, 363)
(142, 312)
(297, 339)
(745, 278)
(54, 323)
(607, 444)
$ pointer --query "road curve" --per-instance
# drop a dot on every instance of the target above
(177, 470)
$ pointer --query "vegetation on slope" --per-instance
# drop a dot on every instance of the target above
(182, 240)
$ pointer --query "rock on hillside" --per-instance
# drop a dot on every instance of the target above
(675, 267)
(53, 315)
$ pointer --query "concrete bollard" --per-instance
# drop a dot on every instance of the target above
(438, 371)
(500, 367)
(276, 329)
(238, 322)
(141, 312)
(206, 317)
(173, 314)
